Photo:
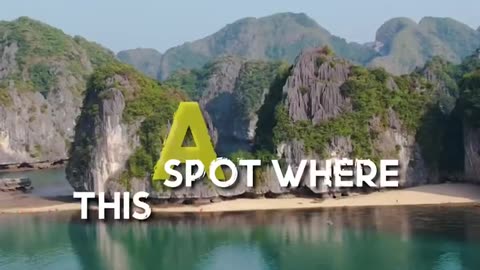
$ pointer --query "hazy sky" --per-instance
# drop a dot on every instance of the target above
(160, 24)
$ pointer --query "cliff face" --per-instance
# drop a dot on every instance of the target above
(218, 102)
(469, 104)
(326, 108)
(231, 91)
(313, 88)
(335, 110)
(42, 77)
(103, 141)
(35, 127)
(120, 131)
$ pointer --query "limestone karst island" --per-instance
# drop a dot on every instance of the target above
(90, 97)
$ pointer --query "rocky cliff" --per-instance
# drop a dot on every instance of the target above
(42, 78)
(333, 109)
(323, 107)
(119, 134)
(124, 120)
(231, 91)
(469, 84)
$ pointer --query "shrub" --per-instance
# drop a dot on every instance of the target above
(42, 77)
(5, 98)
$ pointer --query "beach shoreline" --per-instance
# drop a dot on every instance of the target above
(32, 166)
(441, 194)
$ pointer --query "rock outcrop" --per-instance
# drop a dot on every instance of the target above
(313, 89)
(109, 142)
(124, 116)
(42, 77)
(468, 104)
(230, 91)
(324, 98)
(114, 148)
(322, 113)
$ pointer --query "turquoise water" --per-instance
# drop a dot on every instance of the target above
(400, 238)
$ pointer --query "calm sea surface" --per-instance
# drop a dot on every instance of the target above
(384, 238)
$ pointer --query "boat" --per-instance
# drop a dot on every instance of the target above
(15, 184)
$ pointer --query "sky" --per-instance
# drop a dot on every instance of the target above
(161, 24)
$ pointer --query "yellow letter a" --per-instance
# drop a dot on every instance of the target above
(187, 116)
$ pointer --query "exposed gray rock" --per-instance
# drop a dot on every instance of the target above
(113, 141)
(42, 89)
(35, 128)
(322, 101)
(8, 63)
(218, 102)
(314, 93)
(313, 89)
(221, 101)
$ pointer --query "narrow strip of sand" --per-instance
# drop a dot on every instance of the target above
(424, 195)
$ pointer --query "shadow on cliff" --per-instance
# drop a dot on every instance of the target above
(440, 137)
(231, 129)
(266, 114)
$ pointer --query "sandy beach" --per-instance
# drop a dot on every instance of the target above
(447, 194)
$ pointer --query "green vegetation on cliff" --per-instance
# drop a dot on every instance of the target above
(267, 120)
(42, 53)
(370, 97)
(193, 82)
(457, 102)
(470, 97)
(42, 78)
(253, 82)
(147, 104)
(445, 74)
